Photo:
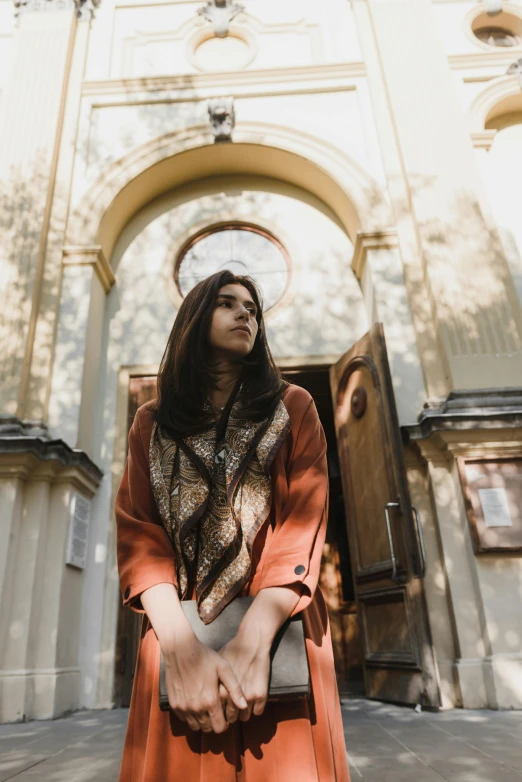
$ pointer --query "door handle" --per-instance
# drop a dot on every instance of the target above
(421, 539)
(390, 539)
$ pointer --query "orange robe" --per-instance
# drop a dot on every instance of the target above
(300, 740)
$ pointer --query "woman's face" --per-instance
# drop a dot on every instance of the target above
(233, 327)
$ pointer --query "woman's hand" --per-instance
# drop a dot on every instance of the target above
(249, 658)
(194, 673)
(249, 652)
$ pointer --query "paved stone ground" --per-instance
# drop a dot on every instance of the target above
(385, 744)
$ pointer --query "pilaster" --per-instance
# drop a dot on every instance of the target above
(378, 265)
(41, 596)
(37, 136)
(435, 182)
(86, 278)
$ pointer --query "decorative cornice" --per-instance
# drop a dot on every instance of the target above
(25, 445)
(469, 410)
(484, 139)
(90, 256)
(227, 80)
(84, 8)
(501, 58)
(375, 240)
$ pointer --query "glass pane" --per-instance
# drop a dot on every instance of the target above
(243, 251)
(497, 36)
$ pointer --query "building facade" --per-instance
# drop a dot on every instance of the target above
(363, 160)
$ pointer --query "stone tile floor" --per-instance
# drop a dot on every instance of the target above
(385, 744)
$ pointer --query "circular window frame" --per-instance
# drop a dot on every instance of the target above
(197, 232)
(199, 37)
(509, 19)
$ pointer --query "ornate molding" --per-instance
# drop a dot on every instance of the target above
(483, 139)
(492, 102)
(84, 8)
(375, 240)
(26, 449)
(491, 409)
(515, 69)
(493, 7)
(497, 58)
(90, 256)
(220, 13)
(303, 79)
(222, 117)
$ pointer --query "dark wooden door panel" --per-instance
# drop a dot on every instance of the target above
(398, 655)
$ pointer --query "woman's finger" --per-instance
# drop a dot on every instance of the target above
(204, 723)
(231, 712)
(244, 714)
(223, 694)
(192, 722)
(217, 719)
(231, 683)
(259, 706)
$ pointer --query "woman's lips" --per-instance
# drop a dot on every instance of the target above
(242, 328)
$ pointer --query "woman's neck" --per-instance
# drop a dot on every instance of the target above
(228, 377)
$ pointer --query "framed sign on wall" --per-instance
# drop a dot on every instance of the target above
(492, 491)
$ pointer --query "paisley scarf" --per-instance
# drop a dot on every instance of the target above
(213, 497)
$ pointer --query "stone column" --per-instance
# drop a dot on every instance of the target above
(87, 277)
(41, 595)
(460, 287)
(471, 638)
(377, 264)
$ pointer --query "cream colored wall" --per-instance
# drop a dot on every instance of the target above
(7, 23)
(333, 105)
(326, 75)
(502, 172)
(111, 127)
(142, 39)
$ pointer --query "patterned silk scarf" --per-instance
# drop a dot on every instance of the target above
(213, 497)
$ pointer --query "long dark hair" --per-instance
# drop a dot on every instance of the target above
(185, 373)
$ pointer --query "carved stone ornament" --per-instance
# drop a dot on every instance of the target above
(220, 13)
(516, 69)
(84, 8)
(222, 118)
(493, 7)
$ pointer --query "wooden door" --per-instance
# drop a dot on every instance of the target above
(141, 390)
(385, 549)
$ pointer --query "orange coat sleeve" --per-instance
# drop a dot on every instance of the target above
(294, 557)
(145, 554)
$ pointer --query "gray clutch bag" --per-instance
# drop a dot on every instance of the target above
(289, 673)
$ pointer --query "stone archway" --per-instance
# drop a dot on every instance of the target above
(350, 194)
(175, 159)
(501, 96)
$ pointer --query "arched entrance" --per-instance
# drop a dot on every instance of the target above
(172, 186)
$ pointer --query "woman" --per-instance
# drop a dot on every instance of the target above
(225, 493)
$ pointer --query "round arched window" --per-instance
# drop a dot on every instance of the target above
(497, 36)
(244, 249)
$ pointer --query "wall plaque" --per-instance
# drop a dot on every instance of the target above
(493, 497)
(78, 531)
